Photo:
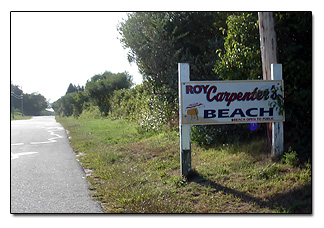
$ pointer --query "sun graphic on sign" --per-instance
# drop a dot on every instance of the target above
(192, 110)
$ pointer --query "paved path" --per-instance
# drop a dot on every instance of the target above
(45, 175)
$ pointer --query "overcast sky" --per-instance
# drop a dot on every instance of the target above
(49, 50)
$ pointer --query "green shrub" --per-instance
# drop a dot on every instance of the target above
(220, 134)
(150, 111)
(91, 112)
(179, 181)
(290, 157)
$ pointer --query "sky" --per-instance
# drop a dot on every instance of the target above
(50, 50)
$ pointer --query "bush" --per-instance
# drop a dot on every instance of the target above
(294, 35)
(220, 134)
(150, 111)
(91, 112)
(241, 60)
(290, 158)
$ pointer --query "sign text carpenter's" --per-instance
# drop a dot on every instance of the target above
(229, 102)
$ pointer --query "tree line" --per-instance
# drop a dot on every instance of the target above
(34, 104)
(218, 46)
(97, 92)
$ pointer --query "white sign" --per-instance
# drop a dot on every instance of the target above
(229, 102)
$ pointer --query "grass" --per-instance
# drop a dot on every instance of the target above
(19, 116)
(140, 173)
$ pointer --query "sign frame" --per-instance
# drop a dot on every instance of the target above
(199, 102)
(185, 129)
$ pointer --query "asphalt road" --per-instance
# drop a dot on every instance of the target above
(45, 175)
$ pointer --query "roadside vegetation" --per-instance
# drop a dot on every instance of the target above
(24, 105)
(218, 46)
(126, 135)
(19, 116)
(132, 172)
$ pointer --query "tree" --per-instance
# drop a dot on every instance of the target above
(14, 101)
(80, 99)
(98, 91)
(240, 59)
(34, 104)
(72, 103)
(294, 43)
(73, 88)
(158, 41)
(101, 86)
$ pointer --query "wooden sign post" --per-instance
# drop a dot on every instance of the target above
(229, 102)
(277, 145)
(185, 130)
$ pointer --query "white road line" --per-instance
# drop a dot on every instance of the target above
(50, 140)
(17, 144)
(17, 155)
(35, 143)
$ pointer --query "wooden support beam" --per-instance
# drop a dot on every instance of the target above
(277, 144)
(185, 130)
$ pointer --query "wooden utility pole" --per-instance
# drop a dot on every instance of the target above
(268, 46)
(268, 43)
(12, 108)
